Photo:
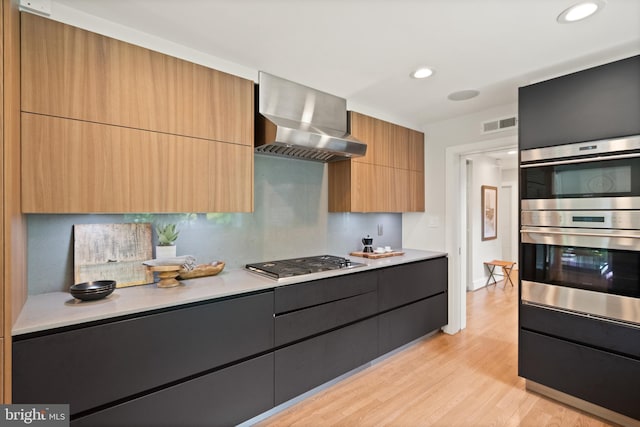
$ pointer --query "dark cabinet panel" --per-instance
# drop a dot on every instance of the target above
(614, 337)
(307, 294)
(602, 378)
(307, 364)
(220, 362)
(313, 320)
(223, 398)
(597, 103)
(96, 365)
(407, 283)
(403, 325)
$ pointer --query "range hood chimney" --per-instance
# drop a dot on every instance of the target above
(299, 122)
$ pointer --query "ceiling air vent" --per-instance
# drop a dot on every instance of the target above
(499, 124)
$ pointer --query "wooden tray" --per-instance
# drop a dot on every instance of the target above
(202, 270)
(373, 255)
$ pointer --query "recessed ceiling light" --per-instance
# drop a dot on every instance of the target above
(580, 11)
(463, 95)
(422, 73)
(512, 152)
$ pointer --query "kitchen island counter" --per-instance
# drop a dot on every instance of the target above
(59, 309)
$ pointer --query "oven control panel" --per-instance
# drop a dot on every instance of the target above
(621, 220)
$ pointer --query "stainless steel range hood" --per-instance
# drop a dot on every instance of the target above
(299, 122)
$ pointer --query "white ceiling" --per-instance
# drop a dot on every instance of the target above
(364, 50)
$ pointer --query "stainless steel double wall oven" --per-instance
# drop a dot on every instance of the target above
(580, 228)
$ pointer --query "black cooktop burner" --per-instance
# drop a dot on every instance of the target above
(299, 266)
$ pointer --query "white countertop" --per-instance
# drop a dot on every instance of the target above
(58, 309)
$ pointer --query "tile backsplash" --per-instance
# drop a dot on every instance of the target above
(290, 219)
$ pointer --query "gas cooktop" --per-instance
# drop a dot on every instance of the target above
(300, 266)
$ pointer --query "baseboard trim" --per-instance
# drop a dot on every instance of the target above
(583, 405)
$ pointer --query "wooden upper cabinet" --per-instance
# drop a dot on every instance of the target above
(382, 143)
(390, 178)
(416, 150)
(362, 127)
(399, 147)
(416, 191)
(73, 73)
(112, 127)
(71, 166)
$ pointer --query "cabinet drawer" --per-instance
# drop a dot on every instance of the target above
(295, 297)
(97, 365)
(602, 378)
(407, 283)
(615, 337)
(305, 365)
(223, 398)
(310, 321)
(405, 324)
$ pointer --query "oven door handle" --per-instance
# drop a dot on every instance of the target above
(564, 233)
(584, 160)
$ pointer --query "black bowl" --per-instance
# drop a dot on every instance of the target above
(89, 291)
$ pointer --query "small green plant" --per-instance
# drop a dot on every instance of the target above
(167, 234)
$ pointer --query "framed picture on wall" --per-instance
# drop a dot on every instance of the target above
(489, 212)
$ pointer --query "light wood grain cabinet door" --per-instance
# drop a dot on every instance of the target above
(399, 147)
(388, 178)
(383, 133)
(362, 127)
(416, 150)
(372, 188)
(112, 127)
(400, 190)
(73, 73)
(416, 192)
(70, 166)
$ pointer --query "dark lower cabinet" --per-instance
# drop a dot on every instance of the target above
(221, 362)
(405, 324)
(407, 283)
(309, 308)
(589, 358)
(223, 398)
(411, 301)
(310, 321)
(308, 294)
(605, 379)
(307, 364)
(615, 337)
(93, 366)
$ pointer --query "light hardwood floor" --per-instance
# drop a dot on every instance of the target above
(467, 379)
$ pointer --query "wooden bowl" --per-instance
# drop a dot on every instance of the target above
(202, 270)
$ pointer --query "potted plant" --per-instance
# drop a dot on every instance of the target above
(167, 236)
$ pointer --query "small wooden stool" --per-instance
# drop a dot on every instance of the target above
(507, 267)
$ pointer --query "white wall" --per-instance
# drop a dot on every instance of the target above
(438, 227)
(427, 230)
(510, 179)
(485, 171)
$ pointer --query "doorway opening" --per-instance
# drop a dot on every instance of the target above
(461, 180)
(495, 169)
